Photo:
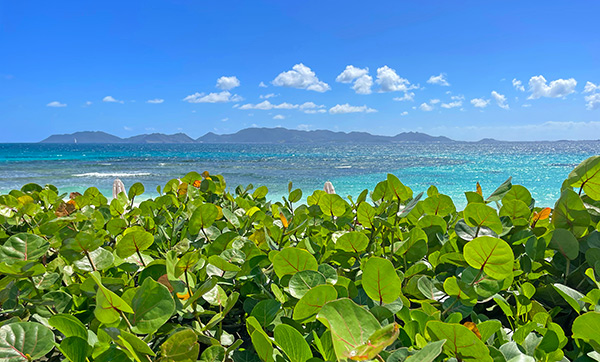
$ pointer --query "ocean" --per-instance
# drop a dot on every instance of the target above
(454, 168)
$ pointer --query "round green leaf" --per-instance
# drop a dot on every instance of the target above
(135, 190)
(354, 242)
(76, 349)
(565, 242)
(182, 346)
(311, 303)
(203, 217)
(293, 260)
(332, 205)
(397, 190)
(517, 210)
(152, 307)
(586, 327)
(366, 214)
(492, 255)
(305, 280)
(265, 311)
(570, 213)
(23, 247)
(22, 339)
(460, 341)
(68, 325)
(438, 204)
(479, 215)
(517, 192)
(134, 239)
(380, 281)
(587, 177)
(350, 326)
(101, 259)
(262, 346)
(213, 354)
(292, 343)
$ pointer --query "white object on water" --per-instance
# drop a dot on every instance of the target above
(329, 188)
(118, 187)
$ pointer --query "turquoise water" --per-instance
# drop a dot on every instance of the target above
(453, 168)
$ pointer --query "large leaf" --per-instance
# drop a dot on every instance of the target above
(108, 304)
(479, 215)
(68, 325)
(152, 307)
(380, 281)
(311, 303)
(292, 343)
(23, 247)
(396, 190)
(353, 241)
(350, 326)
(492, 255)
(305, 280)
(586, 176)
(438, 204)
(376, 343)
(182, 346)
(24, 341)
(332, 205)
(203, 217)
(293, 260)
(134, 240)
(460, 341)
(430, 352)
(565, 242)
(586, 327)
(570, 213)
(76, 349)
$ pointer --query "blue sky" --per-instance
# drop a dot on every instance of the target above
(440, 67)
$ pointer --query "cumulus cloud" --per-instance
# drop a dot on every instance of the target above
(228, 83)
(267, 96)
(351, 73)
(439, 80)
(314, 111)
(425, 107)
(390, 81)
(591, 87)
(480, 102)
(155, 101)
(434, 101)
(110, 99)
(363, 85)
(56, 104)
(221, 97)
(518, 85)
(454, 104)
(539, 87)
(500, 100)
(262, 85)
(593, 101)
(301, 77)
(279, 116)
(346, 108)
(408, 96)
(266, 105)
(405, 113)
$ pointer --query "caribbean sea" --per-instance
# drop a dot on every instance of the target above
(454, 168)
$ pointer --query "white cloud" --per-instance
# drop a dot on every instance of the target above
(225, 119)
(346, 108)
(405, 113)
(266, 105)
(518, 85)
(303, 127)
(390, 81)
(228, 83)
(454, 104)
(480, 102)
(279, 116)
(126, 128)
(526, 105)
(87, 104)
(56, 104)
(310, 105)
(315, 111)
(351, 73)
(408, 96)
(557, 88)
(593, 101)
(439, 80)
(363, 85)
(267, 96)
(155, 101)
(110, 99)
(500, 100)
(459, 97)
(434, 101)
(262, 85)
(591, 87)
(425, 107)
(221, 97)
(301, 77)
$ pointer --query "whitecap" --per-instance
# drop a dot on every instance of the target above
(112, 174)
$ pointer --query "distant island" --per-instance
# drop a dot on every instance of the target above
(250, 135)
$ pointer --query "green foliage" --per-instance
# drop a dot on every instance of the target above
(205, 273)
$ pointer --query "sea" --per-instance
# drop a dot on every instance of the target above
(453, 167)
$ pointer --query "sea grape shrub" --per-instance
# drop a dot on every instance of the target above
(202, 272)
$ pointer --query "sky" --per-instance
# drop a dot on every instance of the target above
(510, 70)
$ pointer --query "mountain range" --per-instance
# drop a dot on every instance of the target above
(249, 135)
